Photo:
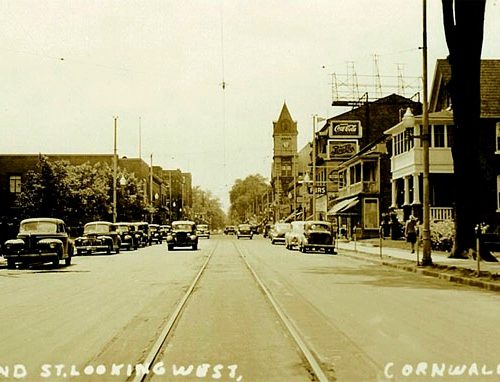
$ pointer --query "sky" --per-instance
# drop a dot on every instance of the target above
(69, 67)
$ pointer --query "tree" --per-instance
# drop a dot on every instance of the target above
(245, 197)
(464, 28)
(79, 194)
(207, 209)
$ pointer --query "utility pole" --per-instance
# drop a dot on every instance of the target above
(151, 186)
(115, 169)
(426, 249)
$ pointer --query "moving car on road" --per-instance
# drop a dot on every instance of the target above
(317, 235)
(293, 237)
(183, 234)
(40, 240)
(98, 236)
(278, 231)
(230, 230)
(141, 230)
(203, 230)
(244, 230)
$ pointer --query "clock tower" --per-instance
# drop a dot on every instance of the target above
(284, 170)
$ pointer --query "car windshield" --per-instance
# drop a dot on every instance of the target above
(203, 226)
(39, 226)
(244, 226)
(96, 228)
(182, 227)
(283, 227)
(319, 227)
(122, 228)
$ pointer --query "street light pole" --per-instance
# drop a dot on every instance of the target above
(115, 166)
(426, 249)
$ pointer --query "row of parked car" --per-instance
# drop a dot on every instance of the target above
(45, 240)
(304, 235)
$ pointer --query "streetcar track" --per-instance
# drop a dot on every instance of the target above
(312, 364)
(173, 319)
(314, 368)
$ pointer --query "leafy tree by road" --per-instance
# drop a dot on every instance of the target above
(246, 198)
(207, 209)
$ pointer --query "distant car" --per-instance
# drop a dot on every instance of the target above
(40, 240)
(155, 235)
(230, 230)
(244, 230)
(292, 238)
(142, 233)
(165, 229)
(128, 239)
(278, 231)
(203, 230)
(183, 234)
(317, 235)
(98, 236)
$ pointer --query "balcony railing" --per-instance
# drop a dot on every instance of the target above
(368, 187)
(441, 213)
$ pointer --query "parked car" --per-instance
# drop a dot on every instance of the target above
(278, 231)
(230, 230)
(244, 230)
(155, 234)
(292, 238)
(128, 239)
(98, 236)
(142, 231)
(40, 240)
(183, 234)
(203, 230)
(317, 235)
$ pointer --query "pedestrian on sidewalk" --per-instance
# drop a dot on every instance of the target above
(411, 232)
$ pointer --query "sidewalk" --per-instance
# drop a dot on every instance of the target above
(397, 254)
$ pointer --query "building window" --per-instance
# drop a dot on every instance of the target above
(370, 212)
(286, 170)
(498, 193)
(342, 179)
(498, 137)
(438, 136)
(15, 184)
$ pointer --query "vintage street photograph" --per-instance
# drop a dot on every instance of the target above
(258, 191)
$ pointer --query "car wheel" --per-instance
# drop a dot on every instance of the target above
(170, 247)
(118, 250)
(11, 264)
(108, 251)
(195, 247)
(67, 260)
(55, 262)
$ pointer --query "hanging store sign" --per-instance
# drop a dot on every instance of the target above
(345, 129)
(341, 148)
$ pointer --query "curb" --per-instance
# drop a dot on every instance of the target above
(495, 287)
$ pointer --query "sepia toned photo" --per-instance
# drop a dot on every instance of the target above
(229, 190)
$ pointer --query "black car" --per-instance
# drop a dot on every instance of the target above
(244, 230)
(183, 234)
(230, 230)
(317, 235)
(98, 236)
(155, 235)
(141, 230)
(40, 240)
(127, 235)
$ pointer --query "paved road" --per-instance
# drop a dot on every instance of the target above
(362, 321)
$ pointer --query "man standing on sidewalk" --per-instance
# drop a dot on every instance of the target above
(411, 232)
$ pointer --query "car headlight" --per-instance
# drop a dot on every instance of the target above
(52, 245)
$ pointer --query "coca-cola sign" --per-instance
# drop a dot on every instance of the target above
(341, 148)
(345, 129)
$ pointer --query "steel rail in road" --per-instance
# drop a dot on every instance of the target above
(294, 332)
(155, 350)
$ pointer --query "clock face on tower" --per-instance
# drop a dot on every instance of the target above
(285, 143)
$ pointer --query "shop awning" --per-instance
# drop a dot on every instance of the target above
(342, 206)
